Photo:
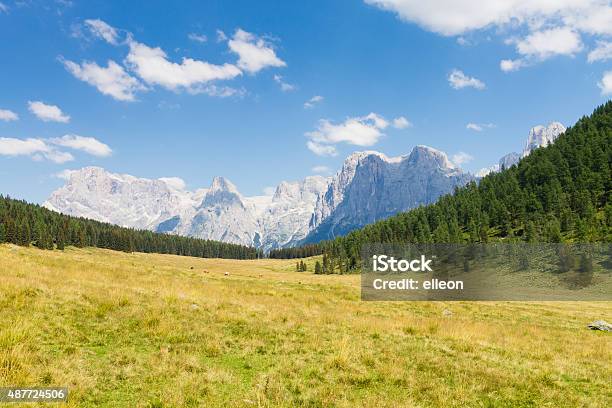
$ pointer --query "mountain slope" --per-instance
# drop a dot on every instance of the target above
(28, 224)
(557, 193)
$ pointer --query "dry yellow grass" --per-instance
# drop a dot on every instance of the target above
(143, 330)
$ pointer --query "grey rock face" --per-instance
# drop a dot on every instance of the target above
(509, 160)
(381, 187)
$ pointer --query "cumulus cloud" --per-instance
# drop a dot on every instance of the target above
(401, 123)
(111, 80)
(602, 52)
(458, 80)
(509, 65)
(87, 144)
(285, 87)
(55, 156)
(48, 113)
(548, 28)
(606, 83)
(8, 116)
(359, 131)
(146, 66)
(254, 54)
(37, 149)
(47, 149)
(547, 43)
(201, 38)
(451, 17)
(174, 182)
(153, 66)
(102, 30)
(321, 149)
(479, 127)
(542, 45)
(461, 158)
(321, 170)
(309, 104)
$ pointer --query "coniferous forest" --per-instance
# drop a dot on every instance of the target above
(28, 224)
(560, 193)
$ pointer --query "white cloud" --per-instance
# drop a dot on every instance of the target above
(3, 8)
(104, 31)
(221, 36)
(547, 43)
(64, 174)
(606, 83)
(153, 66)
(320, 149)
(285, 87)
(602, 52)
(359, 131)
(174, 182)
(56, 156)
(508, 65)
(458, 80)
(111, 80)
(87, 144)
(321, 170)
(268, 191)
(254, 54)
(37, 149)
(7, 115)
(553, 27)
(41, 149)
(452, 17)
(48, 113)
(479, 127)
(401, 123)
(309, 104)
(461, 158)
(201, 38)
(16, 147)
(542, 45)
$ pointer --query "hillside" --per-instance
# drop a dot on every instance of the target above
(558, 193)
(28, 224)
(149, 330)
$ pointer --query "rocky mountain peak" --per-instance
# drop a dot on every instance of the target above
(542, 136)
(428, 156)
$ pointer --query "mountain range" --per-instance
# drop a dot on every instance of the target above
(370, 186)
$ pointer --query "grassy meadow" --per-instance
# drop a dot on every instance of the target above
(147, 330)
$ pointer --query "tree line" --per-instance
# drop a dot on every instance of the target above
(26, 224)
(560, 193)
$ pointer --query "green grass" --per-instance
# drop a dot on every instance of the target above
(145, 330)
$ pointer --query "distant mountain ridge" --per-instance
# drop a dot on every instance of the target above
(539, 136)
(369, 187)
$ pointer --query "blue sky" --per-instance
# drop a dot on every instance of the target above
(198, 89)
